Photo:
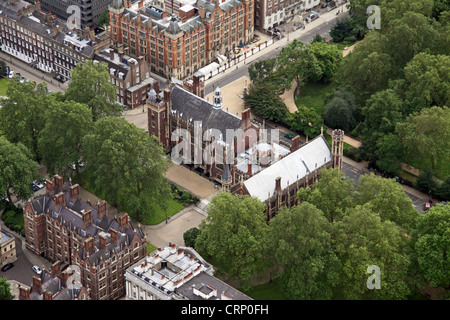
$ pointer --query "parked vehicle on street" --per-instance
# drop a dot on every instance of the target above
(36, 269)
(7, 267)
(11, 74)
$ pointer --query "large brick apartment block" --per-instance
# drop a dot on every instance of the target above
(179, 40)
(61, 227)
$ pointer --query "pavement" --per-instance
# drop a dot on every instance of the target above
(32, 74)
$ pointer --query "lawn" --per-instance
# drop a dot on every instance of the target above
(158, 216)
(3, 86)
(267, 291)
(314, 95)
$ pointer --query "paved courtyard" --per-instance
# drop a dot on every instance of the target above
(174, 230)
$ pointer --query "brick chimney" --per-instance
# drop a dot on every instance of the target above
(57, 182)
(75, 190)
(278, 184)
(295, 143)
(167, 96)
(24, 293)
(59, 200)
(37, 285)
(246, 121)
(101, 209)
(89, 244)
(123, 221)
(102, 241)
(111, 54)
(48, 295)
(140, 3)
(114, 235)
(86, 216)
(56, 268)
(49, 186)
(249, 169)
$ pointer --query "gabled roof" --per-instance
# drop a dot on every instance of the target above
(291, 168)
(198, 109)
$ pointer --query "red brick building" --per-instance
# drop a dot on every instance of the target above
(61, 227)
(176, 43)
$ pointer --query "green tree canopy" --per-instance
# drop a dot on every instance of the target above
(425, 137)
(305, 120)
(22, 116)
(341, 110)
(127, 165)
(363, 240)
(5, 290)
(265, 102)
(332, 194)
(301, 245)
(17, 170)
(388, 199)
(90, 85)
(432, 244)
(235, 234)
(60, 140)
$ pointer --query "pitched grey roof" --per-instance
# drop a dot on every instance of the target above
(193, 107)
(291, 168)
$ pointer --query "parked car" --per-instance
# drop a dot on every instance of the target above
(36, 269)
(38, 184)
(34, 186)
(289, 135)
(325, 5)
(11, 74)
(22, 80)
(7, 267)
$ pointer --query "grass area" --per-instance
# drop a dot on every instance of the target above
(314, 95)
(159, 215)
(150, 247)
(267, 291)
(4, 82)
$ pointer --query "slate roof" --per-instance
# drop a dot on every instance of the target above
(193, 107)
(291, 168)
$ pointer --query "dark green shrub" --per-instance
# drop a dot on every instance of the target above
(190, 237)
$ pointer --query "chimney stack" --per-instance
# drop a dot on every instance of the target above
(59, 200)
(113, 233)
(101, 209)
(58, 182)
(24, 293)
(111, 54)
(246, 121)
(123, 220)
(48, 295)
(56, 268)
(86, 217)
(295, 143)
(102, 241)
(37, 285)
(89, 244)
(278, 184)
(75, 190)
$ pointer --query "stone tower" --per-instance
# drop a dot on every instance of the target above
(337, 148)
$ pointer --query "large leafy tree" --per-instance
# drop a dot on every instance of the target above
(17, 170)
(333, 194)
(381, 114)
(328, 57)
(298, 62)
(22, 116)
(235, 235)
(60, 140)
(388, 199)
(127, 165)
(368, 68)
(265, 102)
(305, 120)
(363, 240)
(5, 290)
(341, 110)
(301, 245)
(90, 85)
(432, 244)
(428, 80)
(425, 137)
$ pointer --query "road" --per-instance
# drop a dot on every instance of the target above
(323, 29)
